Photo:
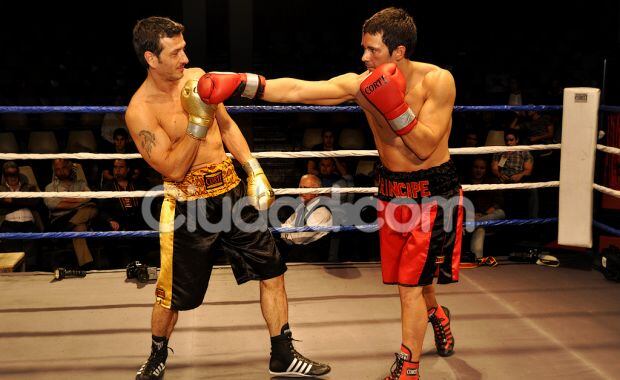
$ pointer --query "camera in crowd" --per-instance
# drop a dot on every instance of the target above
(141, 272)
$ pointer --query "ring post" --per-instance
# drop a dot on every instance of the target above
(579, 129)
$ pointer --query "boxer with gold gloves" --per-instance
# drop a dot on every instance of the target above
(183, 139)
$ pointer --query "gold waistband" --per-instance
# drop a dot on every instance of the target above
(207, 181)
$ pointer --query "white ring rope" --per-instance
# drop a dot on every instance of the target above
(301, 154)
(284, 191)
(606, 190)
(608, 149)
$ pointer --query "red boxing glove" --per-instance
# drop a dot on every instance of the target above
(385, 89)
(216, 87)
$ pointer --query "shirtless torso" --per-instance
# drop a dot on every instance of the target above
(395, 154)
(157, 122)
(430, 93)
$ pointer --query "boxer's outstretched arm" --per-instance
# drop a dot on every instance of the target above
(434, 116)
(232, 136)
(155, 145)
(330, 92)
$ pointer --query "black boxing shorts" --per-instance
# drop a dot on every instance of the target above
(420, 215)
(188, 251)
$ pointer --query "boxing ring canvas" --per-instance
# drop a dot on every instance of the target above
(510, 322)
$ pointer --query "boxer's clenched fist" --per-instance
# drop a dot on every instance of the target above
(216, 87)
(385, 89)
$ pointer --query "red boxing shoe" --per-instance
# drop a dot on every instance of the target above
(439, 318)
(403, 368)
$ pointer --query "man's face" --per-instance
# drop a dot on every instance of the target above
(328, 139)
(172, 59)
(120, 169)
(11, 176)
(62, 170)
(308, 183)
(479, 169)
(376, 52)
(471, 140)
(511, 140)
(119, 142)
(326, 167)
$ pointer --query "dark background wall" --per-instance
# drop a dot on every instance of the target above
(80, 52)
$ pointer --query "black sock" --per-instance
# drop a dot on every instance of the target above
(280, 343)
(159, 343)
(285, 333)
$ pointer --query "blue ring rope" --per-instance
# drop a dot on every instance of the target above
(366, 227)
(605, 108)
(264, 109)
(606, 228)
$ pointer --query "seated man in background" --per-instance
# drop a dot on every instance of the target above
(70, 214)
(330, 177)
(308, 246)
(122, 214)
(513, 167)
(122, 144)
(488, 204)
(329, 143)
(19, 214)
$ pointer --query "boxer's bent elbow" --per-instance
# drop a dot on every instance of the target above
(177, 176)
(174, 174)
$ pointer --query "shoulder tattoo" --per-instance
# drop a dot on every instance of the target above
(147, 140)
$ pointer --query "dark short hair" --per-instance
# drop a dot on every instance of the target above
(397, 27)
(123, 160)
(148, 32)
(328, 129)
(120, 132)
(513, 132)
(9, 165)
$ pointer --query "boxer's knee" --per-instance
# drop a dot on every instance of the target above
(273, 284)
(410, 295)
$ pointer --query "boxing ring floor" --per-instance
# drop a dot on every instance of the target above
(510, 322)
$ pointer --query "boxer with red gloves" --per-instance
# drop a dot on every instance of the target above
(408, 105)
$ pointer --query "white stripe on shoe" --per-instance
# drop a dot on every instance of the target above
(297, 368)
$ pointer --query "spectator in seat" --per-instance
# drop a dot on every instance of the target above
(122, 214)
(330, 177)
(70, 214)
(488, 204)
(19, 214)
(312, 211)
(513, 167)
(329, 143)
(122, 144)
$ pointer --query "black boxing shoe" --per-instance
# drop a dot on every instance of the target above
(155, 365)
(287, 362)
(440, 320)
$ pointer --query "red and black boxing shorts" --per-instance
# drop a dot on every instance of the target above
(420, 215)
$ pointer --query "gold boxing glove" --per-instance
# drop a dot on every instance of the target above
(259, 190)
(201, 115)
